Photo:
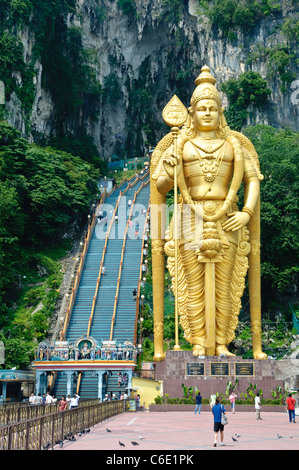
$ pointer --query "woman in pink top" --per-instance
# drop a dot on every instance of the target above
(232, 399)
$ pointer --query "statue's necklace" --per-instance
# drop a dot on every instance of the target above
(209, 163)
(209, 146)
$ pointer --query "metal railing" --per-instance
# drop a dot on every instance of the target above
(16, 412)
(45, 432)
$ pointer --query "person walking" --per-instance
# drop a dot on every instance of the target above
(68, 400)
(232, 399)
(74, 401)
(217, 411)
(257, 405)
(212, 400)
(32, 399)
(290, 405)
(49, 399)
(38, 399)
(62, 404)
(198, 403)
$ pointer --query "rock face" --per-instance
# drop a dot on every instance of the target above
(152, 51)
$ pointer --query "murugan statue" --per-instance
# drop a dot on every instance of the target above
(220, 241)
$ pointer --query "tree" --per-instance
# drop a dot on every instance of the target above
(17, 354)
(278, 154)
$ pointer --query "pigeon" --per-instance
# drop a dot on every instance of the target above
(235, 440)
(238, 435)
(135, 443)
(121, 444)
(108, 430)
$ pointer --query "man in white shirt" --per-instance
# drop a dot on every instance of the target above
(49, 399)
(257, 404)
(38, 399)
(32, 399)
(74, 401)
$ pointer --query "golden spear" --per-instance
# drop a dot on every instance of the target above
(175, 115)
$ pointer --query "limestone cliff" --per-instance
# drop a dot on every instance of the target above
(147, 50)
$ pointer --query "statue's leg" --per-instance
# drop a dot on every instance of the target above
(194, 273)
(223, 280)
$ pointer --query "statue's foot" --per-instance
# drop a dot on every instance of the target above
(259, 355)
(198, 350)
(222, 350)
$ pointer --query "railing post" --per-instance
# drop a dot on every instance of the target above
(41, 429)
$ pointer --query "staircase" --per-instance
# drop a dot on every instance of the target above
(113, 293)
(124, 326)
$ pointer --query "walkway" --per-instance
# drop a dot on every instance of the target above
(186, 433)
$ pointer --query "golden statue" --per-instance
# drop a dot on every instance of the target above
(207, 242)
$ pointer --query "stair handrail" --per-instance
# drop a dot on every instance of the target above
(81, 265)
(140, 273)
(145, 174)
(101, 265)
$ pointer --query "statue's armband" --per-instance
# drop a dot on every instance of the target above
(249, 170)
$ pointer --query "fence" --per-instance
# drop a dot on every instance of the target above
(46, 431)
(15, 412)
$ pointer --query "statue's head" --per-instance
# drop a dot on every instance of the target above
(205, 89)
(205, 111)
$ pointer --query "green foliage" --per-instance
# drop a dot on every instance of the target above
(279, 60)
(290, 29)
(69, 70)
(127, 6)
(42, 192)
(69, 73)
(173, 12)
(12, 61)
(80, 145)
(278, 154)
(141, 117)
(112, 89)
(230, 15)
(17, 353)
(250, 89)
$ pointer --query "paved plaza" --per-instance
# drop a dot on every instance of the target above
(186, 433)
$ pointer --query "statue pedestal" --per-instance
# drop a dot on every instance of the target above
(211, 374)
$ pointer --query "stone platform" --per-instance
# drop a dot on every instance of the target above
(211, 374)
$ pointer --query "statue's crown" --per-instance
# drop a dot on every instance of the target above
(205, 87)
(205, 76)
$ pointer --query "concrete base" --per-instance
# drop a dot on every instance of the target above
(267, 375)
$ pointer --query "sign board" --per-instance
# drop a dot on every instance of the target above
(245, 369)
(132, 404)
(219, 368)
(195, 368)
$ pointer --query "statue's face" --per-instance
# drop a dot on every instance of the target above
(206, 115)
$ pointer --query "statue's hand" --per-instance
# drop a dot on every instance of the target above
(169, 163)
(236, 221)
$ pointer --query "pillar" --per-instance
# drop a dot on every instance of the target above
(4, 391)
(130, 375)
(69, 374)
(100, 384)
